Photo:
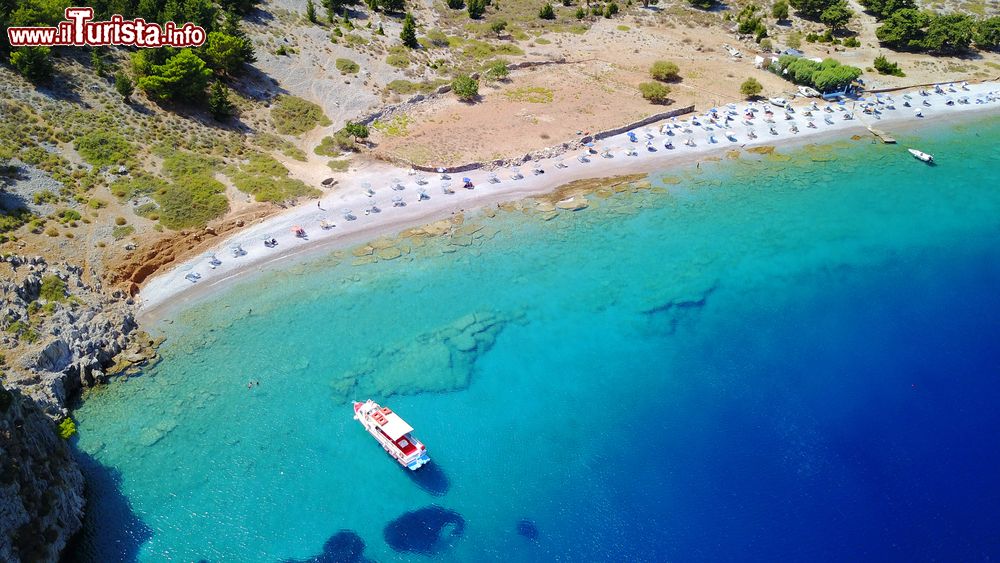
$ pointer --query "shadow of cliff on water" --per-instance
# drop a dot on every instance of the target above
(111, 530)
(426, 531)
(343, 547)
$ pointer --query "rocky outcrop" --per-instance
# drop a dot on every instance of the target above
(63, 338)
(437, 361)
(41, 488)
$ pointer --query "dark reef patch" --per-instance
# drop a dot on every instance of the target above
(527, 529)
(430, 478)
(426, 530)
(343, 547)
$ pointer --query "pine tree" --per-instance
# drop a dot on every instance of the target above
(409, 33)
(311, 11)
(233, 26)
(124, 86)
(219, 103)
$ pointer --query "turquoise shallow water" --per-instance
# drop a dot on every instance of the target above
(791, 357)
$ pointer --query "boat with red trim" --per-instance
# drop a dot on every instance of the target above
(393, 433)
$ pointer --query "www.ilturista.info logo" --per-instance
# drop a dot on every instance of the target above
(78, 30)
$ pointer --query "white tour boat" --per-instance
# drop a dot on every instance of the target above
(393, 433)
(921, 155)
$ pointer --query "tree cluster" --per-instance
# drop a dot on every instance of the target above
(750, 22)
(827, 76)
(910, 29)
(834, 13)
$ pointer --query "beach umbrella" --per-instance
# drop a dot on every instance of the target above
(467, 180)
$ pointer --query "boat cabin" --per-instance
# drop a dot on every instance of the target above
(395, 429)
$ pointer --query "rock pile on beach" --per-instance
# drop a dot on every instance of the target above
(440, 360)
(41, 488)
(65, 336)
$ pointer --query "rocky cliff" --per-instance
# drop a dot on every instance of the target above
(61, 333)
(41, 488)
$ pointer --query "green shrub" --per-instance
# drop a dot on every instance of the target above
(398, 60)
(69, 215)
(180, 163)
(779, 10)
(437, 38)
(44, 196)
(267, 180)
(294, 116)
(147, 210)
(547, 12)
(53, 289)
(465, 87)
(347, 66)
(67, 428)
(751, 88)
(118, 233)
(883, 66)
(191, 202)
(654, 92)
(104, 148)
(497, 70)
(330, 146)
(140, 184)
(852, 42)
(665, 71)
(340, 165)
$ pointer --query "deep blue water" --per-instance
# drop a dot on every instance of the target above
(792, 358)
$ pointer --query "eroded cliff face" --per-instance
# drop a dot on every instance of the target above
(41, 488)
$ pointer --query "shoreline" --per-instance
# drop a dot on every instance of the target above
(169, 291)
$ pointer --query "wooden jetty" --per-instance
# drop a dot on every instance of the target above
(883, 136)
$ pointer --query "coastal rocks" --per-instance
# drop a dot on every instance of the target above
(575, 203)
(436, 361)
(427, 531)
(682, 298)
(41, 488)
(60, 333)
(764, 149)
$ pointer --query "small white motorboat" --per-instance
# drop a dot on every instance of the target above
(919, 155)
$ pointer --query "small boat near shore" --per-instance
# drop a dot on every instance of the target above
(392, 433)
(919, 155)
